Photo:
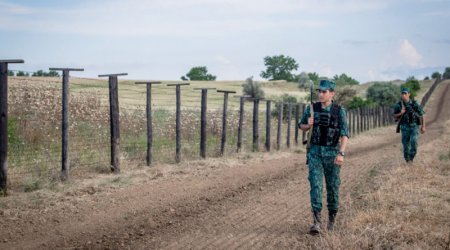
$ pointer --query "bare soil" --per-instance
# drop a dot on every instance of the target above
(255, 201)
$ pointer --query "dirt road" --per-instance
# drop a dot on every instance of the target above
(260, 201)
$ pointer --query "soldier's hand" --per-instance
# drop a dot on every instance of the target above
(311, 121)
(422, 129)
(339, 160)
(403, 111)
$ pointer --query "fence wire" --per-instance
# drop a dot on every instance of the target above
(34, 126)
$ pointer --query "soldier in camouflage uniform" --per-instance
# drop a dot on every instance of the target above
(326, 153)
(411, 116)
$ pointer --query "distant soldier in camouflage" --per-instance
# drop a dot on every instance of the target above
(411, 116)
(326, 152)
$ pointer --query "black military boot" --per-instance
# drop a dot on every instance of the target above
(316, 227)
(331, 219)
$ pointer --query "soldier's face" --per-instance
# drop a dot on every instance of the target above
(405, 96)
(326, 95)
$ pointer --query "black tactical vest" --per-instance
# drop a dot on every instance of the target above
(326, 125)
(411, 116)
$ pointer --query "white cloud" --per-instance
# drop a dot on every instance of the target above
(408, 54)
(375, 75)
(176, 17)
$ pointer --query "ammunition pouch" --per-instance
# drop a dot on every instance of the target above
(324, 119)
(326, 131)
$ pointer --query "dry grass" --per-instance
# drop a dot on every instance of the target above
(35, 126)
(35, 117)
(405, 208)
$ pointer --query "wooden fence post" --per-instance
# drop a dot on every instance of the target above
(349, 123)
(148, 110)
(280, 119)
(241, 119)
(4, 124)
(177, 118)
(354, 132)
(255, 124)
(224, 119)
(203, 120)
(65, 161)
(114, 120)
(303, 132)
(359, 118)
(297, 117)
(268, 111)
(288, 141)
(366, 118)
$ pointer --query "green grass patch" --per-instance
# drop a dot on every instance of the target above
(32, 184)
(445, 157)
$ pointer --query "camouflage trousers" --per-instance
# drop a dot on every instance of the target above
(410, 137)
(320, 166)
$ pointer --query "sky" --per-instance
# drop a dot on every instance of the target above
(163, 39)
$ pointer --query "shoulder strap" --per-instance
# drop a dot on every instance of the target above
(335, 108)
(317, 106)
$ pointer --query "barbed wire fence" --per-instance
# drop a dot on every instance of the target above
(35, 118)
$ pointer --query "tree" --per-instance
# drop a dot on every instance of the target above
(199, 73)
(383, 94)
(279, 68)
(343, 79)
(40, 72)
(413, 84)
(314, 77)
(21, 73)
(358, 102)
(304, 81)
(252, 88)
(10, 73)
(426, 78)
(53, 73)
(344, 96)
(446, 74)
(436, 75)
(284, 100)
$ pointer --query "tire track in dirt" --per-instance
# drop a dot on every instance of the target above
(257, 229)
(254, 230)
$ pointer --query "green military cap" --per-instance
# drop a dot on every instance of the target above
(405, 90)
(326, 85)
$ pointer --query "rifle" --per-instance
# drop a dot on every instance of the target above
(310, 131)
(397, 130)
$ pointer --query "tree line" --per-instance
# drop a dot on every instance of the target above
(39, 73)
(281, 67)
